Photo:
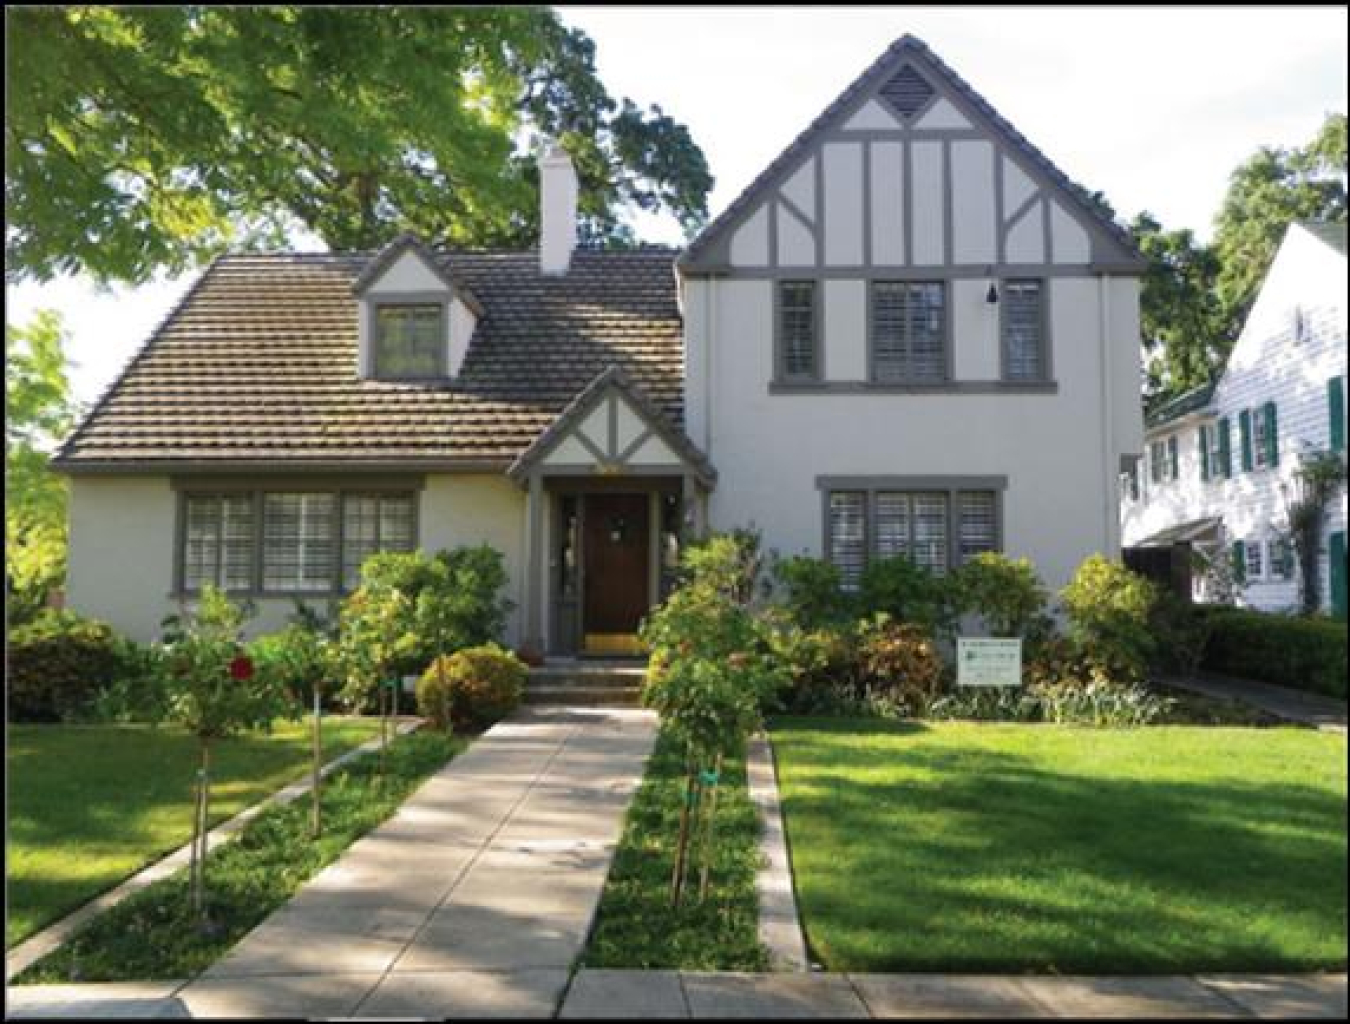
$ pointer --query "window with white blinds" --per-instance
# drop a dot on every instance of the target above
(371, 523)
(909, 331)
(937, 530)
(290, 543)
(1023, 330)
(978, 519)
(218, 541)
(299, 542)
(797, 329)
(848, 535)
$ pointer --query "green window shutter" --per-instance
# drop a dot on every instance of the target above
(1204, 452)
(1272, 435)
(1336, 412)
(1245, 437)
(1239, 561)
(1226, 448)
(1336, 558)
(1172, 461)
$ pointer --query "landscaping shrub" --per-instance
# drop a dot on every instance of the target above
(1301, 653)
(1181, 632)
(899, 663)
(1004, 593)
(812, 592)
(908, 593)
(1097, 702)
(139, 690)
(987, 704)
(471, 689)
(57, 665)
(1108, 607)
(813, 664)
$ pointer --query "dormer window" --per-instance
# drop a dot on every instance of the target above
(416, 320)
(409, 340)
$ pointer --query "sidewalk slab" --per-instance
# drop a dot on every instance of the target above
(515, 994)
(625, 995)
(292, 997)
(1137, 997)
(945, 996)
(1301, 997)
(771, 995)
(121, 1000)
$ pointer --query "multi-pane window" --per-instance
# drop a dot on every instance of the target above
(371, 523)
(909, 330)
(1260, 439)
(410, 340)
(1255, 563)
(218, 541)
(299, 540)
(797, 329)
(1156, 457)
(1023, 331)
(1282, 559)
(281, 542)
(936, 530)
(848, 535)
(1216, 454)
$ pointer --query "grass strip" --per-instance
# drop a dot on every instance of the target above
(153, 935)
(636, 927)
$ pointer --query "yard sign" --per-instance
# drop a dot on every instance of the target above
(984, 662)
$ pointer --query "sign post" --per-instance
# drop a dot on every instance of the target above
(988, 662)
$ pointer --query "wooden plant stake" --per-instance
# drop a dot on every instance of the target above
(715, 778)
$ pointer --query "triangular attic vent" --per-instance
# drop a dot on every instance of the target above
(907, 92)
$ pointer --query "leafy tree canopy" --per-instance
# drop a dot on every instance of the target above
(38, 411)
(151, 138)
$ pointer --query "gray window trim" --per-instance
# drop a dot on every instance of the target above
(1046, 344)
(951, 387)
(951, 486)
(780, 374)
(380, 301)
(948, 354)
(186, 490)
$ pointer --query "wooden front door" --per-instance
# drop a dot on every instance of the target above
(616, 547)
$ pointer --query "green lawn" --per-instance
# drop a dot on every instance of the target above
(90, 805)
(636, 926)
(964, 847)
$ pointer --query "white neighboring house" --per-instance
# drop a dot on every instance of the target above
(1221, 461)
(911, 335)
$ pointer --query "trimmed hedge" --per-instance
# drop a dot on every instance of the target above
(1300, 653)
(57, 665)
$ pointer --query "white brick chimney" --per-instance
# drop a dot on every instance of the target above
(558, 211)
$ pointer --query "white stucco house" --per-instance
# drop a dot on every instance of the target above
(911, 334)
(1221, 461)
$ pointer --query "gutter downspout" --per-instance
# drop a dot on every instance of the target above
(1111, 516)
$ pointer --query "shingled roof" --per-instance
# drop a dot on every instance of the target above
(258, 366)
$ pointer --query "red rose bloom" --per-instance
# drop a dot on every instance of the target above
(241, 668)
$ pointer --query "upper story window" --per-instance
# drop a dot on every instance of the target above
(909, 332)
(1023, 330)
(410, 340)
(798, 331)
(1162, 460)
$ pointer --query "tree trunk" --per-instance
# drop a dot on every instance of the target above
(687, 812)
(202, 829)
(316, 815)
(384, 730)
(708, 831)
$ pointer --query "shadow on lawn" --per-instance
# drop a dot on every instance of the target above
(914, 857)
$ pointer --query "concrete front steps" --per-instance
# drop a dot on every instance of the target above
(587, 683)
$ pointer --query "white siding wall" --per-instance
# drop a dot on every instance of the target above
(1267, 364)
(129, 583)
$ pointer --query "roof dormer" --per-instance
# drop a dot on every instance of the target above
(416, 321)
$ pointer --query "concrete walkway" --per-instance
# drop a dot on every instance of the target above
(1291, 705)
(473, 900)
(644, 995)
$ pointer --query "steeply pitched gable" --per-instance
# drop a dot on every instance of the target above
(871, 158)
